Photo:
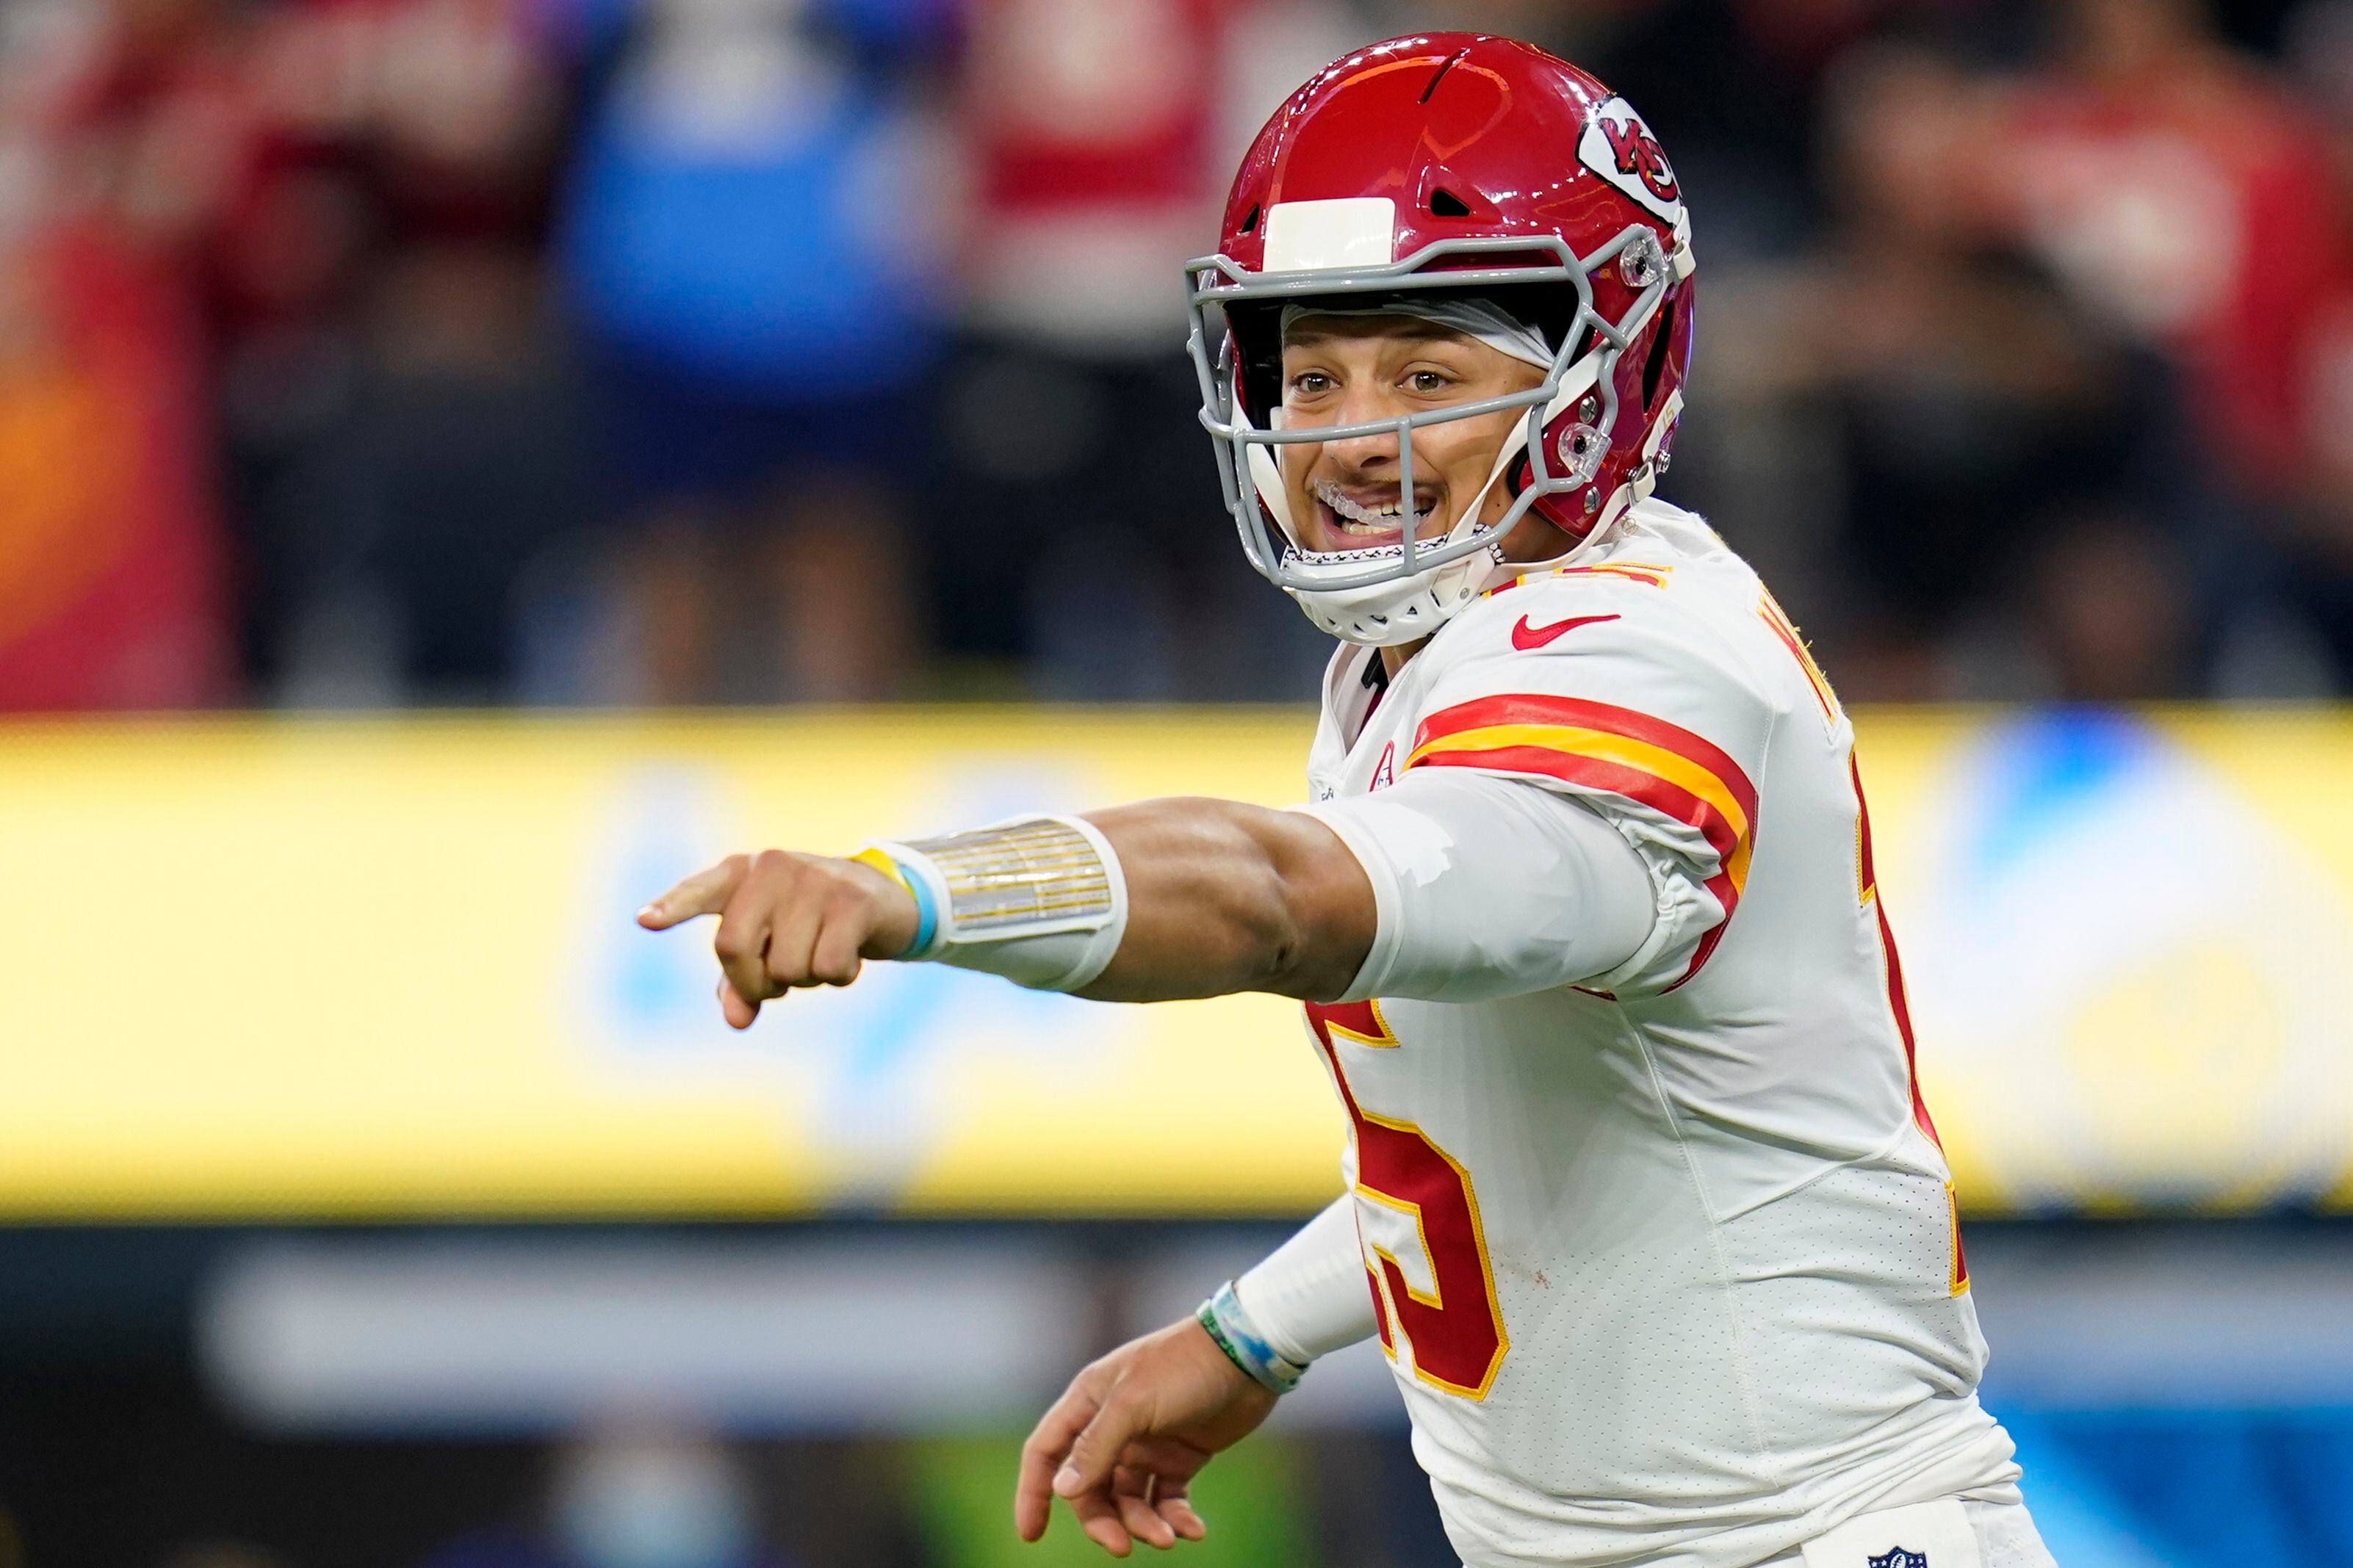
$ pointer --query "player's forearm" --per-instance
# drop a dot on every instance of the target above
(1441, 888)
(1223, 897)
(1151, 902)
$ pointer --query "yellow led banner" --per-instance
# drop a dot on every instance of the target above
(280, 968)
(347, 968)
(2127, 940)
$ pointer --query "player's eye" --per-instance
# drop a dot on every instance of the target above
(1311, 384)
(1429, 381)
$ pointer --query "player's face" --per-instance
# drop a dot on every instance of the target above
(1348, 370)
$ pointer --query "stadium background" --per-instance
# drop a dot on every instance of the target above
(463, 461)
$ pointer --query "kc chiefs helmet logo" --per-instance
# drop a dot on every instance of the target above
(1637, 153)
(1618, 146)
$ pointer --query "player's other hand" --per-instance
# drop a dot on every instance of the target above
(1124, 1443)
(787, 920)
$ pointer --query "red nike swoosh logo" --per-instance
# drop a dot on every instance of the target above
(1525, 637)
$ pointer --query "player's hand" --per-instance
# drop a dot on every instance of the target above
(787, 920)
(1124, 1443)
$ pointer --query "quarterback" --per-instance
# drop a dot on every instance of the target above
(1640, 1201)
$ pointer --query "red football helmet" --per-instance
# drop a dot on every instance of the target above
(1461, 162)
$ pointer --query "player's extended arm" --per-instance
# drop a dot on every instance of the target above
(1223, 897)
(1218, 897)
(1451, 886)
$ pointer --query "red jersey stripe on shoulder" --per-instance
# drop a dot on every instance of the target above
(1583, 743)
(1532, 708)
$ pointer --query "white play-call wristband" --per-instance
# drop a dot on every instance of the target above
(1040, 901)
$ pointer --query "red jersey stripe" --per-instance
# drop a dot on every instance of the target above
(1528, 707)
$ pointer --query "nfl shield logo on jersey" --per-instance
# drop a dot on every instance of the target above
(1896, 1557)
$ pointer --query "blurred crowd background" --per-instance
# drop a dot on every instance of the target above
(361, 352)
(375, 353)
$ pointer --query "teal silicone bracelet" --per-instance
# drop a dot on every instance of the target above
(1229, 1326)
(927, 913)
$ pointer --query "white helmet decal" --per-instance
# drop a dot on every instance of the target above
(1618, 146)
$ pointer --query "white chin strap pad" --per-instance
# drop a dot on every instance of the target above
(1268, 478)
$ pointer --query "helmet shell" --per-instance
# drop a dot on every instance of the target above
(1474, 136)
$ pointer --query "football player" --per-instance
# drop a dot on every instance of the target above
(1640, 1200)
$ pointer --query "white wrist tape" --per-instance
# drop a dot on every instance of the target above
(1038, 900)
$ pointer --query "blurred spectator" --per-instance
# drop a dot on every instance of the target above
(1963, 392)
(2179, 191)
(2183, 193)
(401, 443)
(640, 1499)
(2110, 602)
(403, 529)
(377, 351)
(110, 551)
(1737, 85)
(750, 251)
(1099, 136)
(239, 191)
(2318, 575)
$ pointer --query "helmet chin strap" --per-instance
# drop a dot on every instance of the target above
(1627, 496)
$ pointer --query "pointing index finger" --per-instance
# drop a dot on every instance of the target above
(705, 893)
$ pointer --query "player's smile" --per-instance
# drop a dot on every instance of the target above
(1368, 515)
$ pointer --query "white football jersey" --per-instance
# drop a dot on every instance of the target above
(1667, 1262)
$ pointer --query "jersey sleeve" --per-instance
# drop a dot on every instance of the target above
(1644, 716)
(1309, 1295)
(1485, 887)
